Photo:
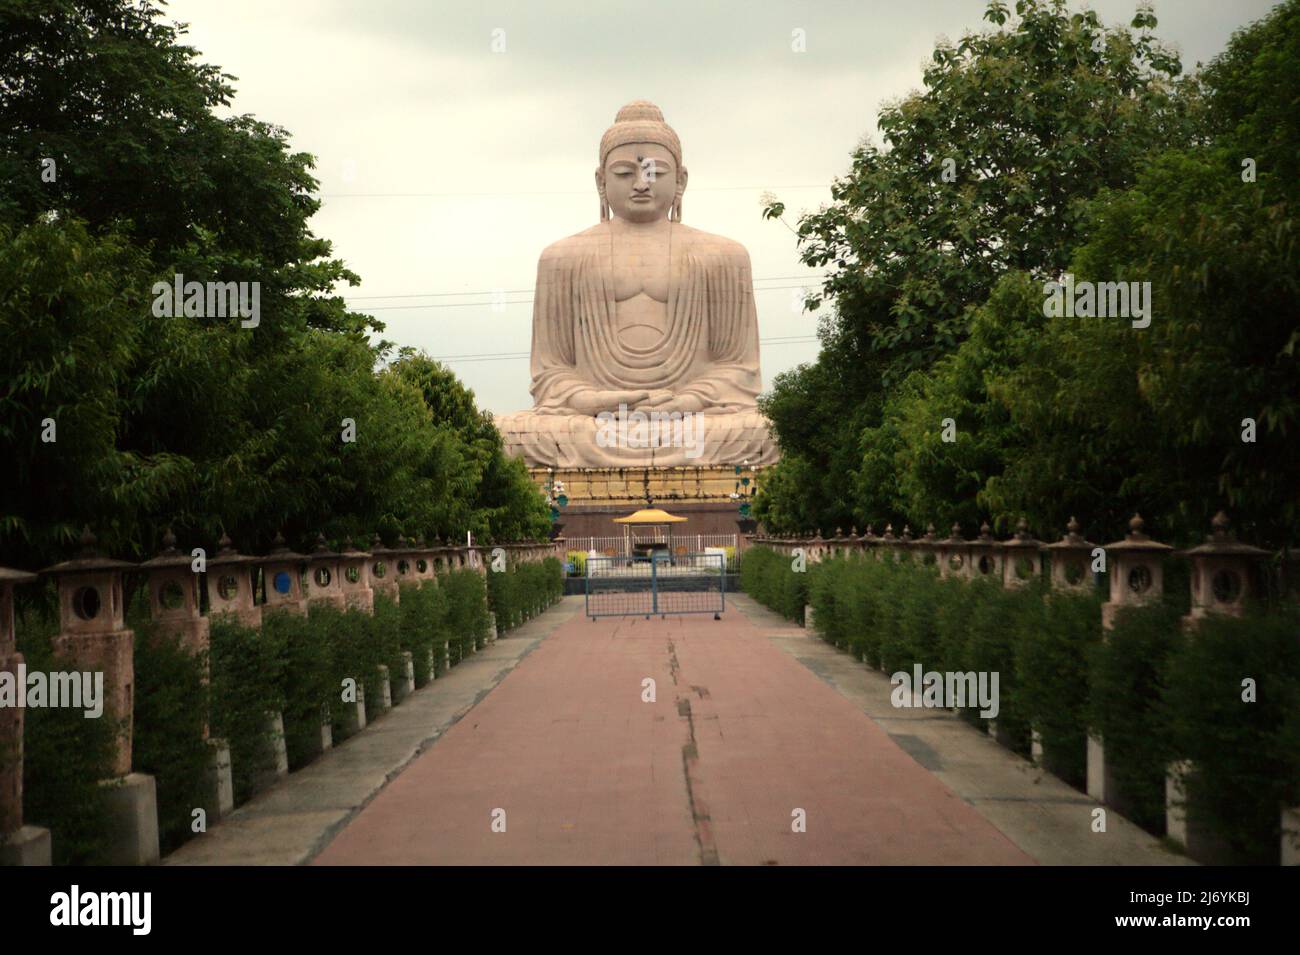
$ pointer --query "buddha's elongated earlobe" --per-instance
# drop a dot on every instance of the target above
(600, 191)
(675, 213)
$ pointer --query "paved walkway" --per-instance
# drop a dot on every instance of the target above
(754, 718)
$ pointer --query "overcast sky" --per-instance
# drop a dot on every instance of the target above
(445, 167)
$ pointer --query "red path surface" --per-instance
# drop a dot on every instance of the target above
(740, 736)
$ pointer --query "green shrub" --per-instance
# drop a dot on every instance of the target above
(467, 612)
(171, 707)
(247, 680)
(1245, 755)
(419, 626)
(385, 644)
(308, 686)
(1052, 668)
(65, 756)
(1127, 678)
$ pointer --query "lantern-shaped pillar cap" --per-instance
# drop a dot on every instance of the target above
(1022, 539)
(226, 554)
(1137, 541)
(88, 559)
(322, 551)
(280, 552)
(1072, 540)
(9, 575)
(169, 556)
(1222, 542)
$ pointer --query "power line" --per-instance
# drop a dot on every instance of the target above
(518, 291)
(514, 356)
(567, 192)
(519, 301)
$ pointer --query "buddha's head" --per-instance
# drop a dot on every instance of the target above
(640, 177)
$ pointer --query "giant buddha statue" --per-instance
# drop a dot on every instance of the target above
(645, 336)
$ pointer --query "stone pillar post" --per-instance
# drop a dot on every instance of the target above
(986, 558)
(282, 571)
(1022, 562)
(1223, 581)
(19, 844)
(383, 569)
(422, 558)
(1136, 573)
(888, 545)
(324, 577)
(354, 578)
(925, 549)
(952, 555)
(230, 585)
(403, 562)
(174, 607)
(1070, 559)
(93, 637)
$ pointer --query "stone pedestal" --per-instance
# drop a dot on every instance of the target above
(29, 845)
(352, 716)
(1100, 785)
(276, 759)
(1199, 844)
(385, 692)
(492, 627)
(404, 685)
(133, 820)
(1291, 835)
(218, 787)
(809, 617)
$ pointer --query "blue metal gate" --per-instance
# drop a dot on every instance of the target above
(683, 583)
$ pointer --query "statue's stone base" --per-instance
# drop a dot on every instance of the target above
(702, 495)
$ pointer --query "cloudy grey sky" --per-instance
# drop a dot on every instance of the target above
(446, 167)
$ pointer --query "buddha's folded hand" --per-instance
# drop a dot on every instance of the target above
(591, 401)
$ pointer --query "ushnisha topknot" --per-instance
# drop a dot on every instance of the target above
(640, 121)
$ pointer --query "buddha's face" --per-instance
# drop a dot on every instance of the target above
(641, 181)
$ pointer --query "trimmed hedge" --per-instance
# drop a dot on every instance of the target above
(65, 756)
(513, 594)
(1153, 691)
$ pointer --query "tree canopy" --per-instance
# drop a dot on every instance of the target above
(116, 173)
(1077, 149)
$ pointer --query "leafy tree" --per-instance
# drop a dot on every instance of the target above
(1034, 116)
(196, 422)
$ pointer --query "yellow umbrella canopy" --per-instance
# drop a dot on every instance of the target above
(650, 515)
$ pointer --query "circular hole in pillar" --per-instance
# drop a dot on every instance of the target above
(1139, 579)
(1074, 571)
(353, 574)
(282, 582)
(170, 596)
(1025, 568)
(955, 562)
(379, 569)
(422, 566)
(322, 576)
(403, 568)
(1227, 586)
(227, 587)
(928, 557)
(86, 603)
(986, 565)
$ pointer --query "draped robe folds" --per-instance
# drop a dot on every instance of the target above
(709, 351)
